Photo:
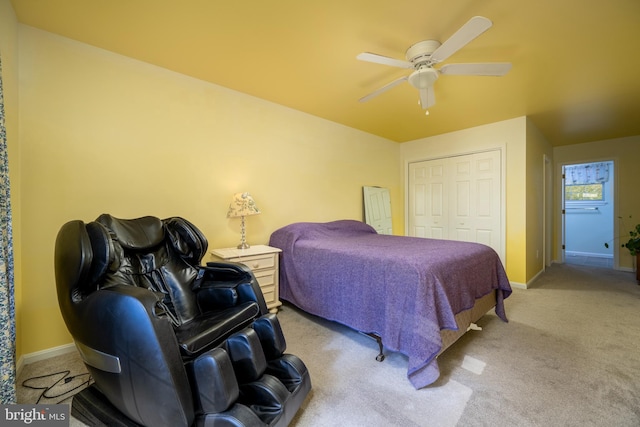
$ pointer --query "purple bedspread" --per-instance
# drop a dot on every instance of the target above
(405, 289)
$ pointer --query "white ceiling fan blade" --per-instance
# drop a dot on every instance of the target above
(427, 97)
(384, 60)
(481, 69)
(383, 89)
(469, 31)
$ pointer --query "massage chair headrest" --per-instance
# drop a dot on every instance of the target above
(86, 252)
(148, 232)
(134, 234)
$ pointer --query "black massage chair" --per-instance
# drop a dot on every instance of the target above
(169, 342)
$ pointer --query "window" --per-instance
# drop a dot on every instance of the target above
(584, 192)
(584, 185)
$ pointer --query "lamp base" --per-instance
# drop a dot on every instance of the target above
(243, 235)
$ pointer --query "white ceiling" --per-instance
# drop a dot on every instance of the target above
(575, 62)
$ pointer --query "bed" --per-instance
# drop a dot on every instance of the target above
(417, 295)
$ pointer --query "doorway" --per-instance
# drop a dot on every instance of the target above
(588, 194)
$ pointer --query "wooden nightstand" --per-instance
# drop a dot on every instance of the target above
(263, 262)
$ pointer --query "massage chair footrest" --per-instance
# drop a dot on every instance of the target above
(236, 416)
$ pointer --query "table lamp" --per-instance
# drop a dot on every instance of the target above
(242, 205)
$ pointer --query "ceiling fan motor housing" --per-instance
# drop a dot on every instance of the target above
(420, 52)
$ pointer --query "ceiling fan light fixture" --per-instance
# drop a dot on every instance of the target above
(423, 78)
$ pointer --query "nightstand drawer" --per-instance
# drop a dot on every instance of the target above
(265, 277)
(259, 262)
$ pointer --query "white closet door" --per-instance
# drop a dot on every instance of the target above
(427, 205)
(461, 198)
(487, 203)
(457, 198)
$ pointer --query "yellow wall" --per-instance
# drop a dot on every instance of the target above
(509, 135)
(625, 152)
(105, 133)
(537, 148)
(9, 57)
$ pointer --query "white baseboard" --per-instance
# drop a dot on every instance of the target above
(534, 278)
(27, 359)
(518, 285)
(528, 284)
(588, 254)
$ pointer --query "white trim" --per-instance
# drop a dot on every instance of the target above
(27, 359)
(528, 284)
(588, 254)
(519, 285)
(534, 278)
(547, 211)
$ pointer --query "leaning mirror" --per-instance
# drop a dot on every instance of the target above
(377, 209)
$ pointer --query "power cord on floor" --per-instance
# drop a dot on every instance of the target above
(77, 381)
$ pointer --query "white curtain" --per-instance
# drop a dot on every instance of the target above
(591, 173)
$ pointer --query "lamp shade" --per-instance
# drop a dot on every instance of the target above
(242, 205)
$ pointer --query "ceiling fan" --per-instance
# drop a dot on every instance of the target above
(423, 55)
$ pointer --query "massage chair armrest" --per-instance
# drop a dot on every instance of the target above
(226, 284)
(226, 271)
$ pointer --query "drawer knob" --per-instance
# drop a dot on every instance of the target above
(256, 265)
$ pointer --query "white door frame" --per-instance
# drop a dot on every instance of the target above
(560, 212)
(547, 209)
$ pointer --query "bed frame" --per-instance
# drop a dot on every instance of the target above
(463, 319)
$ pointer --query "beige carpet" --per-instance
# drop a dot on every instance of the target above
(568, 357)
